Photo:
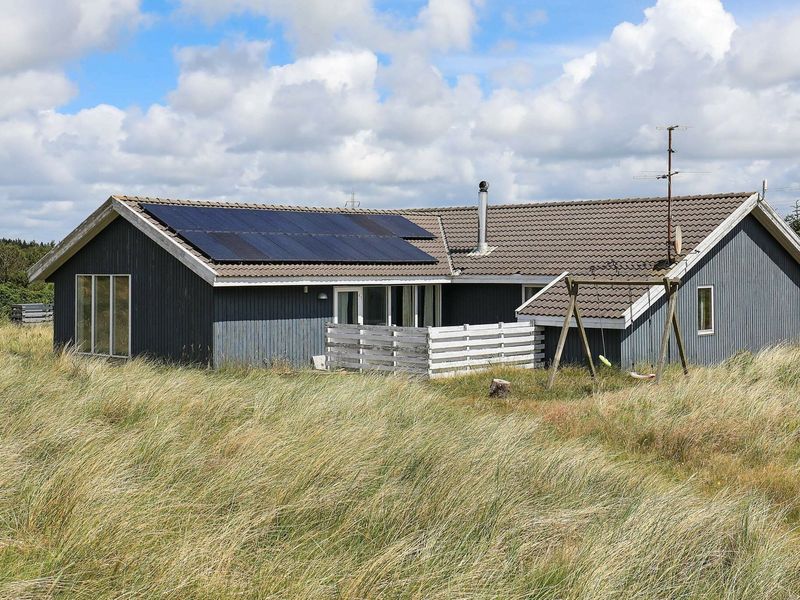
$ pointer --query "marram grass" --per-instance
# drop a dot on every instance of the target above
(143, 481)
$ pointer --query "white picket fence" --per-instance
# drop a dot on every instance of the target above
(433, 351)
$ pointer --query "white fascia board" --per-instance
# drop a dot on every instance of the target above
(779, 228)
(680, 270)
(593, 323)
(358, 281)
(74, 241)
(520, 279)
(202, 270)
(540, 292)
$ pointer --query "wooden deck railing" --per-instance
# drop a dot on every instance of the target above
(433, 351)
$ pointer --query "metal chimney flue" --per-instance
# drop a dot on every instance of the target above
(483, 213)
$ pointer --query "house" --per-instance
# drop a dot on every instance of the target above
(216, 283)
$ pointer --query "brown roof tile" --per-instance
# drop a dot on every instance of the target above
(605, 238)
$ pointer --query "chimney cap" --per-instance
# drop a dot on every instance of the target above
(483, 186)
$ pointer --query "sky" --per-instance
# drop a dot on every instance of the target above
(404, 103)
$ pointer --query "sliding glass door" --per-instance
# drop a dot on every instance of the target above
(102, 314)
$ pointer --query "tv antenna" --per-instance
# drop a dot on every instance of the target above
(668, 176)
(352, 202)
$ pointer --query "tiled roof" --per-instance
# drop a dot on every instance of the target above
(623, 238)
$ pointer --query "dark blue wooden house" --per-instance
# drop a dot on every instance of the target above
(215, 283)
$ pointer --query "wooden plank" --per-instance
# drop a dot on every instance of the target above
(523, 358)
(662, 355)
(523, 339)
(584, 339)
(562, 339)
(450, 335)
(443, 356)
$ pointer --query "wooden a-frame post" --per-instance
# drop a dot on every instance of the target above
(572, 310)
(670, 320)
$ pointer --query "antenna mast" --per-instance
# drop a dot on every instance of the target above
(670, 151)
(668, 176)
(352, 202)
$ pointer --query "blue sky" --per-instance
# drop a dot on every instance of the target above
(142, 69)
(407, 103)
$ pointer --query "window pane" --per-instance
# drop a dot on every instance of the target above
(429, 306)
(408, 306)
(122, 304)
(531, 291)
(83, 314)
(102, 314)
(375, 306)
(705, 317)
(403, 305)
(347, 308)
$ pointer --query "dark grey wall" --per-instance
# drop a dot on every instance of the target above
(573, 349)
(262, 325)
(477, 304)
(756, 301)
(171, 307)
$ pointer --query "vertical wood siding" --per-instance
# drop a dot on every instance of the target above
(260, 326)
(480, 304)
(171, 307)
(756, 301)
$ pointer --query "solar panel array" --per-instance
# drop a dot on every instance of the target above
(263, 235)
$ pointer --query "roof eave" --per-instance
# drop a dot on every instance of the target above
(74, 241)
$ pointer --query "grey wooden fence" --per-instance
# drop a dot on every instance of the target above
(31, 313)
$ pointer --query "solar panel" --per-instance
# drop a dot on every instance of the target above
(263, 235)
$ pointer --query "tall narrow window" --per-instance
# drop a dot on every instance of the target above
(102, 314)
(403, 305)
(375, 305)
(347, 307)
(83, 313)
(705, 310)
(428, 306)
(122, 308)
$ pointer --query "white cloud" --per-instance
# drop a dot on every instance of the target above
(46, 32)
(399, 131)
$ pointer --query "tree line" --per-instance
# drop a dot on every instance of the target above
(16, 256)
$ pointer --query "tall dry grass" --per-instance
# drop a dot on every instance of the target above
(138, 480)
(735, 425)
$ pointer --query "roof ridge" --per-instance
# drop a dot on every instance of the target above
(431, 210)
(512, 205)
(255, 205)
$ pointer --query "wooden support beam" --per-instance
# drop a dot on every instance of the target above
(584, 338)
(562, 339)
(662, 356)
(625, 282)
(679, 339)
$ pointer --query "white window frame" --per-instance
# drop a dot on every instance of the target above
(359, 289)
(713, 308)
(525, 286)
(359, 302)
(94, 277)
